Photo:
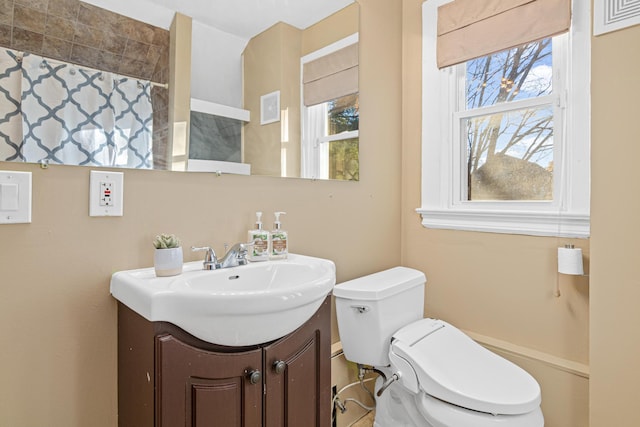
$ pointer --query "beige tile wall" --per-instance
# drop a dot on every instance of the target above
(78, 32)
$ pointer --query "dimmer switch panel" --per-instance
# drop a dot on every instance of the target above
(105, 194)
(15, 197)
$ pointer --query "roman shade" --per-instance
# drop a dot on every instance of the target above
(331, 76)
(469, 29)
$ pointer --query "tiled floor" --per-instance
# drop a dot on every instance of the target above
(366, 421)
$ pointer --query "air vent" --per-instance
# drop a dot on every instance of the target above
(611, 15)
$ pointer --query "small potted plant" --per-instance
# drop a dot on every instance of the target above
(167, 258)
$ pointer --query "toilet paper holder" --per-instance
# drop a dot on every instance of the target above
(569, 263)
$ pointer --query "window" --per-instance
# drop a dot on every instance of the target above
(505, 118)
(333, 133)
(506, 136)
(330, 112)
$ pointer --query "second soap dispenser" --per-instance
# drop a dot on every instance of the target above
(260, 238)
(279, 239)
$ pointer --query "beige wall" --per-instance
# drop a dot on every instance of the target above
(179, 92)
(335, 27)
(266, 62)
(290, 129)
(498, 286)
(58, 362)
(615, 214)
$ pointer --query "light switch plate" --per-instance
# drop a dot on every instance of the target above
(106, 190)
(15, 197)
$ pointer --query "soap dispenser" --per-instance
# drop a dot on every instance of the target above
(260, 238)
(279, 239)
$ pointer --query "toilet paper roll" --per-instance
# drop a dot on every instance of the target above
(570, 261)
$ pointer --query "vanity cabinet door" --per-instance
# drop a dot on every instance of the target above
(197, 388)
(298, 375)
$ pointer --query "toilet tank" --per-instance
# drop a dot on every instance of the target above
(371, 308)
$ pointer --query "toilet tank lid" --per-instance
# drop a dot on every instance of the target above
(380, 285)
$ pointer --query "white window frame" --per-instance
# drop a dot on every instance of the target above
(315, 138)
(316, 132)
(443, 199)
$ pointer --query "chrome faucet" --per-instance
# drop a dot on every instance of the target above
(234, 257)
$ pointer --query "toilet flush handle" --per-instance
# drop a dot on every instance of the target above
(387, 383)
(361, 308)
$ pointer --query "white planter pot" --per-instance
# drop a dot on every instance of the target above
(168, 262)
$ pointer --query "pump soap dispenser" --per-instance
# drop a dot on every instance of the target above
(279, 239)
(260, 238)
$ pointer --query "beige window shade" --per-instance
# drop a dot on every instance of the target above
(331, 76)
(469, 29)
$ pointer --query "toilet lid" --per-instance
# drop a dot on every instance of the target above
(452, 367)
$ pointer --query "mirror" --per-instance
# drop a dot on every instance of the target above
(219, 49)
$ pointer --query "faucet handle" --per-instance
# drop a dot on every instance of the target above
(243, 251)
(244, 247)
(210, 256)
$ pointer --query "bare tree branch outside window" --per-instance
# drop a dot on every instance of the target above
(510, 152)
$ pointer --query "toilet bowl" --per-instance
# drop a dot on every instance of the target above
(436, 376)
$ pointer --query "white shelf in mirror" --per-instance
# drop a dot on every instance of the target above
(208, 107)
(218, 166)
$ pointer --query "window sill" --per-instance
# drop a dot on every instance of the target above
(492, 221)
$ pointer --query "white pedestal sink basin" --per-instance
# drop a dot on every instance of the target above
(245, 305)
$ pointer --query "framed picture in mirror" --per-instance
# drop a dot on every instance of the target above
(270, 108)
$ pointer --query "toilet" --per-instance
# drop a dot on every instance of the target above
(436, 376)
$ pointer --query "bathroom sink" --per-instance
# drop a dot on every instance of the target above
(239, 306)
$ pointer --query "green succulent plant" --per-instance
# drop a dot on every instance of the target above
(166, 241)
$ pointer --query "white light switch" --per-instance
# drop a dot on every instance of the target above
(15, 197)
(105, 194)
(9, 197)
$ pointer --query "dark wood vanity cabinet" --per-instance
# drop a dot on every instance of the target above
(202, 388)
(168, 378)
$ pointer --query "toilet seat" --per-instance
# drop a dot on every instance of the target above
(448, 365)
(441, 414)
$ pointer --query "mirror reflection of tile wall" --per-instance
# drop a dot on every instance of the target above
(83, 34)
(214, 137)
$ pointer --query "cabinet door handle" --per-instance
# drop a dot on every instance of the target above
(279, 366)
(254, 376)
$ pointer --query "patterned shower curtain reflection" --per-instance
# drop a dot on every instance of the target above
(74, 115)
(66, 116)
(10, 93)
(131, 103)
